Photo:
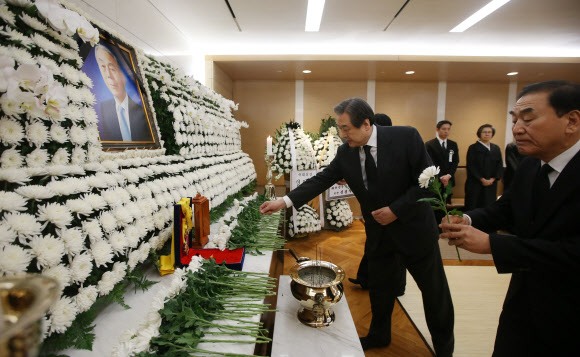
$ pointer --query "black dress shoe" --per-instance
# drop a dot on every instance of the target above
(369, 342)
(358, 282)
(401, 293)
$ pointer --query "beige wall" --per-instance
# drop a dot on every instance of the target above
(470, 105)
(264, 105)
(321, 97)
(222, 83)
(409, 103)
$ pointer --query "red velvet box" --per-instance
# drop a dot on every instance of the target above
(234, 259)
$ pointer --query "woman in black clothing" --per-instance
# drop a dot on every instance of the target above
(484, 166)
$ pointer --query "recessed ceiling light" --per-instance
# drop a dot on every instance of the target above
(409, 72)
(512, 73)
(279, 71)
(314, 15)
(479, 15)
(306, 71)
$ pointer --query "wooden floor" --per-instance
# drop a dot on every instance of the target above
(345, 249)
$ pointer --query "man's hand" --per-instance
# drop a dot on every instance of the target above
(384, 216)
(341, 182)
(486, 182)
(270, 207)
(466, 237)
(445, 180)
(454, 220)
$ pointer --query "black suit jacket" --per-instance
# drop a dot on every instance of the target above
(401, 157)
(138, 122)
(544, 254)
(440, 157)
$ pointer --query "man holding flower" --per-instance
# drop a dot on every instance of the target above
(381, 166)
(541, 310)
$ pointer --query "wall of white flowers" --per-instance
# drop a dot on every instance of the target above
(71, 211)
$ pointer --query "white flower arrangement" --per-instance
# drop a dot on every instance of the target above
(326, 146)
(307, 221)
(305, 159)
(338, 214)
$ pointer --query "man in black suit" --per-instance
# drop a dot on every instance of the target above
(541, 310)
(444, 153)
(398, 228)
(122, 119)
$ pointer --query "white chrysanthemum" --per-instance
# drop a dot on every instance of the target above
(20, 3)
(59, 273)
(78, 155)
(11, 158)
(427, 175)
(108, 221)
(35, 192)
(102, 252)
(13, 260)
(92, 228)
(51, 65)
(62, 314)
(86, 297)
(92, 133)
(132, 235)
(58, 133)
(60, 157)
(11, 132)
(32, 22)
(118, 242)
(47, 249)
(7, 235)
(37, 134)
(23, 224)
(11, 201)
(55, 213)
(7, 15)
(77, 135)
(73, 240)
(80, 207)
(37, 158)
(95, 201)
(18, 176)
(81, 267)
(123, 215)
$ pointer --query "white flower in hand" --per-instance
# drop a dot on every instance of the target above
(426, 176)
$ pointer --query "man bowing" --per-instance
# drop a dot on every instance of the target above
(381, 166)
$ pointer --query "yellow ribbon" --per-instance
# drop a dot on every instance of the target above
(167, 262)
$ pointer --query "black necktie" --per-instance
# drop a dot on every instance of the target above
(371, 169)
(541, 188)
(443, 145)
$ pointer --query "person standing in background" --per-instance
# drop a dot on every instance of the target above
(445, 153)
(362, 275)
(484, 166)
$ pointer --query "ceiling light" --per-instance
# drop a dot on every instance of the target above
(306, 71)
(512, 73)
(279, 71)
(314, 15)
(479, 15)
(409, 72)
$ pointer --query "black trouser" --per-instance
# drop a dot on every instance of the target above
(428, 272)
(362, 275)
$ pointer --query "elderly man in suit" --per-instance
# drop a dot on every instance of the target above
(122, 119)
(541, 310)
(381, 166)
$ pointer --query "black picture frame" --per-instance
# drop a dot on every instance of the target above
(142, 129)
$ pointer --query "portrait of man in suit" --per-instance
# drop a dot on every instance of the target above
(121, 119)
(381, 165)
(540, 312)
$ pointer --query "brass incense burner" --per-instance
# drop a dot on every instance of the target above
(23, 301)
(317, 285)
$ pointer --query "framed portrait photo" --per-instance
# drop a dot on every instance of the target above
(124, 112)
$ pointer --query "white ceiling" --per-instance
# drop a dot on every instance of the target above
(521, 28)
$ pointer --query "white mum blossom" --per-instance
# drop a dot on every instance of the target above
(37, 134)
(18, 176)
(58, 133)
(118, 242)
(11, 201)
(108, 221)
(73, 240)
(95, 201)
(102, 252)
(23, 224)
(13, 260)
(55, 213)
(81, 267)
(77, 135)
(60, 157)
(62, 314)
(92, 228)
(47, 249)
(59, 273)
(86, 297)
(11, 132)
(37, 158)
(11, 158)
(80, 207)
(427, 175)
(35, 192)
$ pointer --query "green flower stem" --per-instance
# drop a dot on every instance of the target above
(444, 204)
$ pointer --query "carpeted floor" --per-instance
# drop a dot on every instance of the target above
(478, 293)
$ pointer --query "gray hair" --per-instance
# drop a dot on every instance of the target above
(106, 49)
